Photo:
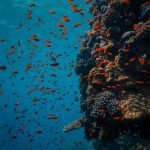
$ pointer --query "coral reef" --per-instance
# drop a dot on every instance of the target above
(114, 69)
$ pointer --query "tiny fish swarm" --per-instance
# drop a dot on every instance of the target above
(114, 69)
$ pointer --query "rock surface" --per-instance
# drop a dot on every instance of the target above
(114, 69)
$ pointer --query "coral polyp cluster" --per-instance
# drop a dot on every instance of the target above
(114, 69)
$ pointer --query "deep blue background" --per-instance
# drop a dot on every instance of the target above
(31, 116)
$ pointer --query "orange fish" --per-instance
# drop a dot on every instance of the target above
(28, 66)
(67, 109)
(139, 82)
(97, 27)
(69, 1)
(148, 62)
(145, 71)
(126, 64)
(77, 10)
(98, 82)
(47, 45)
(137, 26)
(95, 10)
(103, 62)
(35, 38)
(69, 74)
(15, 71)
(100, 49)
(118, 118)
(110, 54)
(11, 52)
(141, 61)
(126, 51)
(65, 19)
(60, 25)
(54, 117)
(146, 4)
(77, 24)
(132, 59)
(54, 64)
(53, 75)
(87, 1)
(126, 2)
(31, 4)
(102, 110)
(51, 12)
(111, 64)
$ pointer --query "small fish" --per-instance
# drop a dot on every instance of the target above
(111, 64)
(137, 26)
(2, 40)
(87, 1)
(110, 54)
(35, 99)
(11, 52)
(54, 64)
(95, 10)
(98, 82)
(100, 49)
(69, 1)
(67, 109)
(38, 131)
(102, 110)
(126, 51)
(60, 25)
(35, 39)
(139, 82)
(141, 61)
(51, 12)
(77, 10)
(77, 24)
(126, 2)
(28, 66)
(54, 117)
(53, 75)
(15, 71)
(146, 3)
(13, 137)
(132, 59)
(3, 68)
(118, 118)
(47, 45)
(65, 19)
(32, 4)
(145, 71)
(69, 74)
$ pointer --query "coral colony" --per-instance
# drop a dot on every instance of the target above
(114, 69)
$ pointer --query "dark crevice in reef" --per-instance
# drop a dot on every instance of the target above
(114, 69)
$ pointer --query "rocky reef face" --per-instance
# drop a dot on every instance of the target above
(114, 69)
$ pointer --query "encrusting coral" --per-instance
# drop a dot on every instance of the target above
(114, 69)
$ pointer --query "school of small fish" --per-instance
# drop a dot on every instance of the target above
(37, 86)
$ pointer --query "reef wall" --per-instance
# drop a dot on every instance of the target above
(114, 69)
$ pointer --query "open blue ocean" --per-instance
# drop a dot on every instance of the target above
(39, 91)
(74, 75)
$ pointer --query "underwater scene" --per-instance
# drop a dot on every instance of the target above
(74, 74)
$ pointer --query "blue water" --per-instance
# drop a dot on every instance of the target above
(20, 117)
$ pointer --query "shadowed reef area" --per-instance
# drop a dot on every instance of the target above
(114, 69)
